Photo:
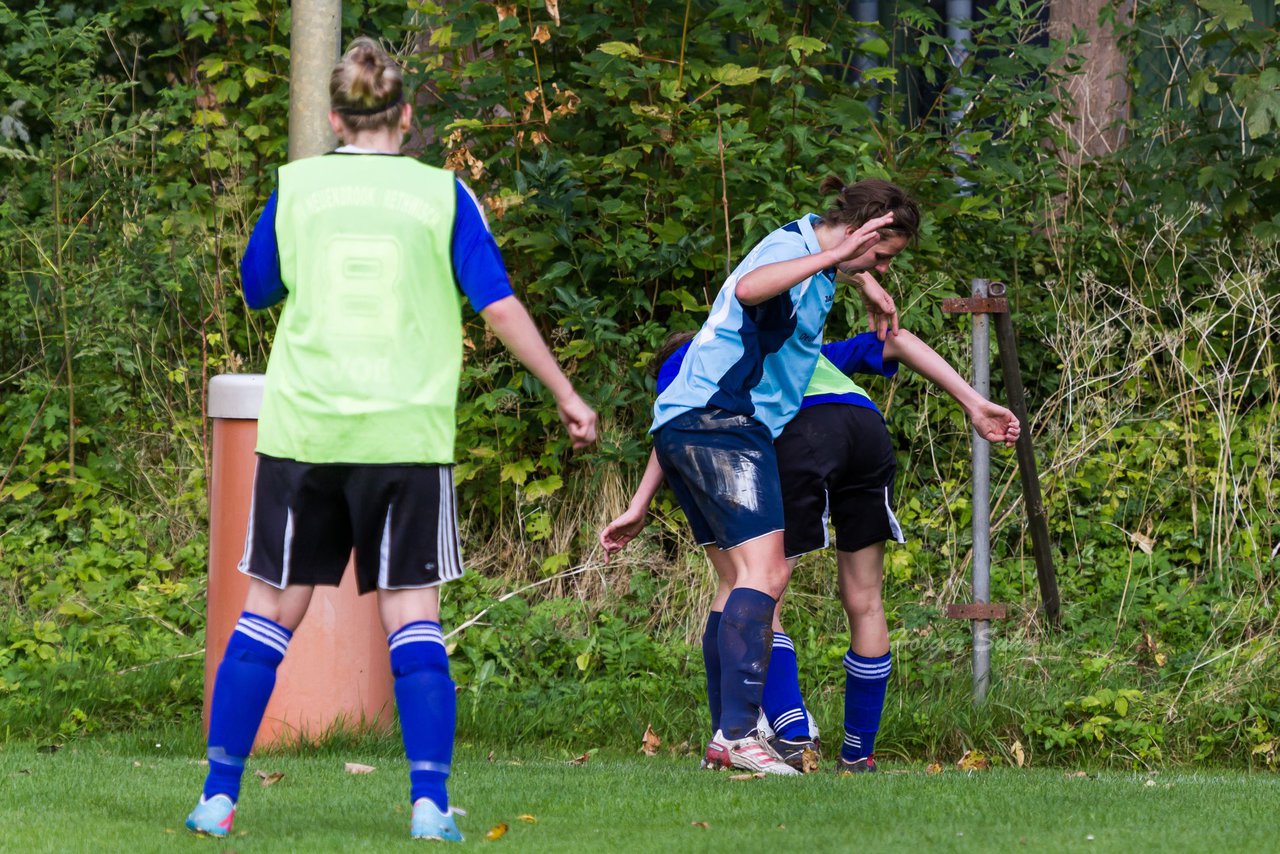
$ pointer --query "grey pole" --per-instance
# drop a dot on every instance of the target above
(981, 501)
(867, 12)
(313, 51)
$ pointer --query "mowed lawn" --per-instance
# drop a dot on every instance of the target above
(119, 794)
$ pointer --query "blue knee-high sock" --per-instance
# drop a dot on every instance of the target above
(428, 708)
(782, 703)
(711, 661)
(245, 679)
(865, 682)
(745, 639)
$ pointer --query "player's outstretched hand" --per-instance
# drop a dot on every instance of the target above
(621, 531)
(579, 419)
(995, 423)
(882, 313)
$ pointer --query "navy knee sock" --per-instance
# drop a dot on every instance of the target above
(783, 705)
(866, 680)
(245, 680)
(711, 661)
(428, 708)
(745, 639)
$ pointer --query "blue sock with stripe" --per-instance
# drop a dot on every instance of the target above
(711, 661)
(428, 708)
(865, 682)
(245, 680)
(745, 639)
(781, 702)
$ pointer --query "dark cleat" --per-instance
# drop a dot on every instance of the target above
(857, 766)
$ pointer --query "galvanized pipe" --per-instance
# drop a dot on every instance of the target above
(981, 502)
(314, 48)
(866, 12)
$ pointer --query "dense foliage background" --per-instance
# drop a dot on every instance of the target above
(629, 153)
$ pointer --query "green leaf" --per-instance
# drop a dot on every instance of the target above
(1227, 14)
(620, 49)
(805, 44)
(516, 472)
(874, 46)
(731, 74)
(537, 489)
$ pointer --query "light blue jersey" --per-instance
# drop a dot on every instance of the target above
(757, 360)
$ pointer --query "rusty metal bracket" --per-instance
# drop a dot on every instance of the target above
(975, 305)
(994, 303)
(975, 611)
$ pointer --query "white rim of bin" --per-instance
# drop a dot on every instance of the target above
(236, 396)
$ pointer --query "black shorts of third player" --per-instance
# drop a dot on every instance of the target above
(836, 461)
(306, 519)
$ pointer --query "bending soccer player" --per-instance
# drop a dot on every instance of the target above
(371, 254)
(836, 461)
(740, 383)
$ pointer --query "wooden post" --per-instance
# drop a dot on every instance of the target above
(1031, 495)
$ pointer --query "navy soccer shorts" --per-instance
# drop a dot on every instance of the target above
(836, 463)
(306, 519)
(724, 473)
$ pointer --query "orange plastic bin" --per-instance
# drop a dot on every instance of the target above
(337, 675)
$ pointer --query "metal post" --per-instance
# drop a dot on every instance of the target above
(313, 51)
(981, 502)
(867, 12)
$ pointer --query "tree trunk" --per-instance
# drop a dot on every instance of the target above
(1100, 90)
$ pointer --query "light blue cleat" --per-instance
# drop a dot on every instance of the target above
(213, 816)
(430, 823)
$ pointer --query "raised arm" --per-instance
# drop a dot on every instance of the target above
(624, 529)
(769, 280)
(510, 321)
(992, 421)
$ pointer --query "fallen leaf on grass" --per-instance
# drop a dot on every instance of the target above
(270, 779)
(1019, 755)
(496, 832)
(973, 760)
(528, 819)
(649, 742)
(490, 755)
(934, 768)
(581, 760)
(808, 761)
(1071, 774)
(137, 764)
(758, 775)
(357, 768)
(701, 824)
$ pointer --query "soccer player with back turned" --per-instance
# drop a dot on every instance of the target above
(371, 253)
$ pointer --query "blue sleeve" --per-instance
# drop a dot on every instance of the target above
(260, 266)
(671, 367)
(477, 263)
(861, 354)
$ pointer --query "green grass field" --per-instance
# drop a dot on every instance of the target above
(128, 794)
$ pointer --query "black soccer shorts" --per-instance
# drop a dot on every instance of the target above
(836, 461)
(306, 518)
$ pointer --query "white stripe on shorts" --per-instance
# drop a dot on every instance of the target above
(894, 527)
(384, 551)
(247, 555)
(288, 550)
